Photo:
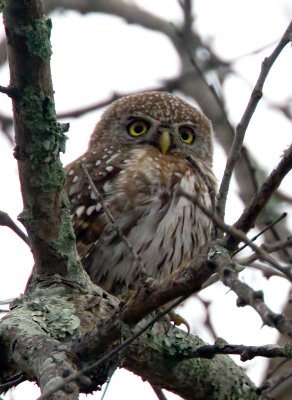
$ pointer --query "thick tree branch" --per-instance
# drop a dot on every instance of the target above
(39, 139)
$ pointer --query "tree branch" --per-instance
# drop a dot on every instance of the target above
(5, 220)
(39, 140)
(247, 296)
(255, 97)
(251, 212)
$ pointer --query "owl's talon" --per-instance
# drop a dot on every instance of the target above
(179, 320)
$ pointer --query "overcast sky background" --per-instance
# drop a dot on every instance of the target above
(96, 55)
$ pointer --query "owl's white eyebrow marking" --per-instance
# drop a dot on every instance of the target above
(79, 211)
(97, 162)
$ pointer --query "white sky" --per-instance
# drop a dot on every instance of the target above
(95, 55)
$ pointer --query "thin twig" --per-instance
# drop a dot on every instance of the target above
(186, 6)
(245, 352)
(137, 258)
(101, 104)
(267, 270)
(11, 92)
(255, 97)
(269, 248)
(285, 253)
(7, 301)
(159, 392)
(255, 51)
(271, 372)
(208, 321)
(269, 226)
(12, 381)
(251, 168)
(238, 235)
(247, 296)
(6, 220)
(269, 386)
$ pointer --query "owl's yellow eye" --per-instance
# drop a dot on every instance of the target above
(187, 134)
(138, 127)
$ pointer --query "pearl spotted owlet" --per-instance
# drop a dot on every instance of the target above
(147, 150)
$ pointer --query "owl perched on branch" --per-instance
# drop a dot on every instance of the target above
(147, 150)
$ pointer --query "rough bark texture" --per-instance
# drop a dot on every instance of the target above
(39, 138)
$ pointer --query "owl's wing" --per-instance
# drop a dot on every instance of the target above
(103, 166)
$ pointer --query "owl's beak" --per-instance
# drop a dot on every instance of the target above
(164, 141)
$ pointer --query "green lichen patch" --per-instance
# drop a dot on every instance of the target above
(38, 37)
(2, 5)
(231, 382)
(55, 316)
(179, 345)
(65, 237)
(48, 138)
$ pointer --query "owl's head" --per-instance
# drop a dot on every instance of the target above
(159, 120)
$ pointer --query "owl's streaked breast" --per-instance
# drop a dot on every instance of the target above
(163, 226)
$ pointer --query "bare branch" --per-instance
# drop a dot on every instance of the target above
(245, 352)
(10, 91)
(248, 113)
(247, 296)
(5, 220)
(159, 392)
(45, 216)
(269, 248)
(238, 235)
(251, 212)
(269, 226)
(271, 384)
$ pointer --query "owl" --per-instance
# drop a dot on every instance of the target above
(145, 153)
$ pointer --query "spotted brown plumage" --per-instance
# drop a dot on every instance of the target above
(137, 161)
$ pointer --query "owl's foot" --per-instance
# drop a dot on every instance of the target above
(179, 320)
